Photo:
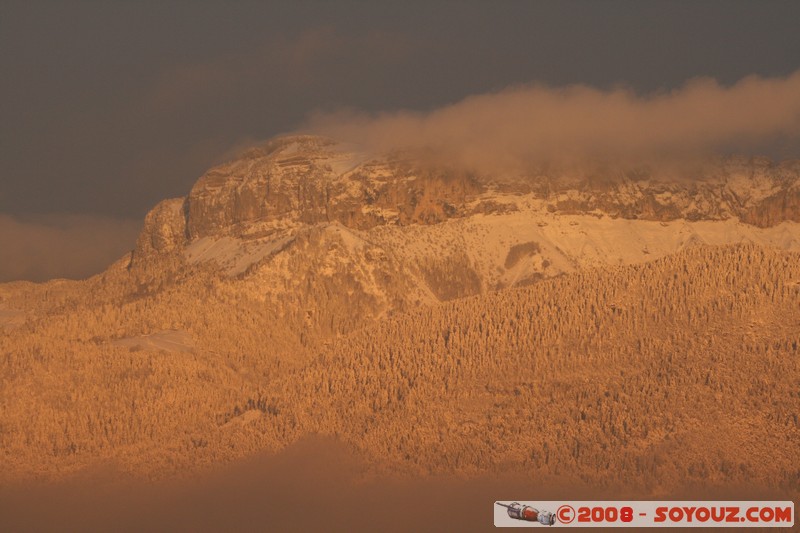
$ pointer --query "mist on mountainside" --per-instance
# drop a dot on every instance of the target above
(316, 484)
(569, 134)
(536, 126)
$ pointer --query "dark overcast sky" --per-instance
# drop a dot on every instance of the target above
(109, 107)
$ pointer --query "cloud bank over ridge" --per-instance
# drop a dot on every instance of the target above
(535, 124)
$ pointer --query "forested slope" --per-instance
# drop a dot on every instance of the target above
(681, 371)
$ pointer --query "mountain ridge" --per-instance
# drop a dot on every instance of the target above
(303, 216)
(309, 180)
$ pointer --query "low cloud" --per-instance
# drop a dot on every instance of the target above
(62, 246)
(318, 484)
(535, 124)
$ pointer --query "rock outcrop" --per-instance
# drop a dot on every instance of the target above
(309, 180)
(303, 215)
(164, 229)
(300, 181)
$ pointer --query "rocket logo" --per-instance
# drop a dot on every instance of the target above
(528, 513)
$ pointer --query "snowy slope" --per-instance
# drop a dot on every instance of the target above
(327, 233)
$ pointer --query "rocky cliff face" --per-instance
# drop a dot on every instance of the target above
(310, 180)
(306, 180)
(781, 206)
(164, 228)
(318, 227)
(753, 190)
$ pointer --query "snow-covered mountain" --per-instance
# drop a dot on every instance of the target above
(309, 222)
(256, 311)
